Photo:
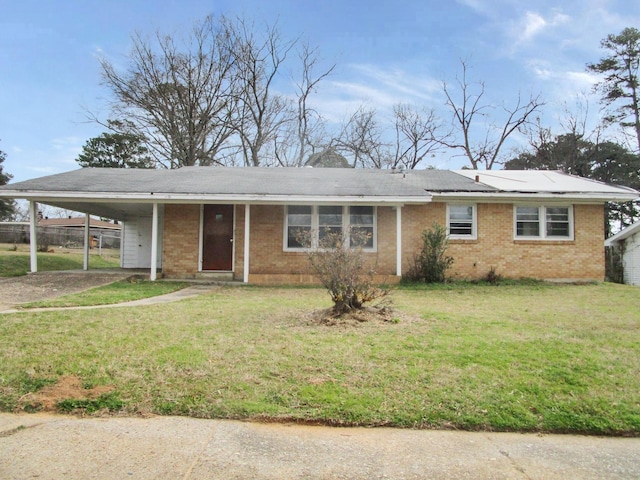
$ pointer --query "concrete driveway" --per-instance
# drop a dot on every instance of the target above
(56, 447)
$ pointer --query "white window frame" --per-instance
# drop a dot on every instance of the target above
(474, 221)
(346, 220)
(542, 219)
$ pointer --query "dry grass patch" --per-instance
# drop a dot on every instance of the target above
(67, 388)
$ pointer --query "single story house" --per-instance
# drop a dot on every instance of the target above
(627, 241)
(242, 223)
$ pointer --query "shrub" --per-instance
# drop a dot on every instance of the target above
(431, 263)
(341, 269)
(493, 277)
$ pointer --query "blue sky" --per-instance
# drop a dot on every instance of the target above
(386, 52)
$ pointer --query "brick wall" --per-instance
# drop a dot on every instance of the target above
(579, 259)
(181, 240)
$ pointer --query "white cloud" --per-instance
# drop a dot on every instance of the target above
(480, 6)
(401, 83)
(378, 87)
(533, 24)
(70, 144)
(364, 92)
(583, 80)
(541, 70)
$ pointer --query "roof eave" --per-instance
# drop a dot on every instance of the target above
(623, 234)
(584, 197)
(152, 197)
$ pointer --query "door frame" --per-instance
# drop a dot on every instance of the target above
(201, 241)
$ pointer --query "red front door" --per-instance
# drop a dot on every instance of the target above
(217, 241)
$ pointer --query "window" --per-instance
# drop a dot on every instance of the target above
(540, 222)
(361, 222)
(558, 222)
(528, 222)
(298, 225)
(461, 221)
(329, 222)
(317, 222)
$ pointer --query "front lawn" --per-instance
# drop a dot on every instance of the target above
(16, 263)
(535, 357)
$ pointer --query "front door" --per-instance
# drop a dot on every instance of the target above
(217, 238)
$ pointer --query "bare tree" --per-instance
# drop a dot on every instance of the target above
(469, 110)
(361, 138)
(261, 112)
(212, 98)
(179, 97)
(417, 135)
(574, 124)
(307, 119)
(304, 133)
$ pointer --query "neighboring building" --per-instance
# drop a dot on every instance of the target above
(627, 243)
(79, 222)
(193, 221)
(328, 158)
(67, 231)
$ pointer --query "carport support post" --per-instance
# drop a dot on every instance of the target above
(247, 222)
(33, 235)
(154, 243)
(399, 240)
(86, 241)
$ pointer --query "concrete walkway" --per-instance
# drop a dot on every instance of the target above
(188, 292)
(55, 447)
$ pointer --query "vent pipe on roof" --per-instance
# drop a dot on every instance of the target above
(477, 178)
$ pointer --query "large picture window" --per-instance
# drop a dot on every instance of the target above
(461, 221)
(313, 223)
(544, 222)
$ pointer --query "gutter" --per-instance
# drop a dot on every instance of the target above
(494, 197)
(111, 197)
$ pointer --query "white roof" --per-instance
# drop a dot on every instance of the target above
(622, 234)
(540, 181)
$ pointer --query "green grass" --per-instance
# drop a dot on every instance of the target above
(117, 292)
(16, 264)
(108, 401)
(531, 358)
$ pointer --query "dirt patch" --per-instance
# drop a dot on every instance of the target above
(68, 387)
(377, 314)
(35, 287)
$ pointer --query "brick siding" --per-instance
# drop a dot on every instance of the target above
(579, 259)
(181, 241)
